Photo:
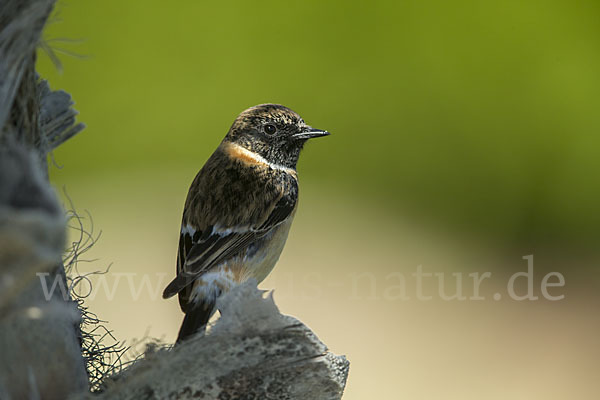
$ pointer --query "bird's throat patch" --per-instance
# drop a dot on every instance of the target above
(248, 157)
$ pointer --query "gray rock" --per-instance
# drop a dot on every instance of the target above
(252, 352)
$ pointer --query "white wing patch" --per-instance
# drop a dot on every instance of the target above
(222, 231)
(188, 229)
(216, 230)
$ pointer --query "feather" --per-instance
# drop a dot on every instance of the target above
(200, 251)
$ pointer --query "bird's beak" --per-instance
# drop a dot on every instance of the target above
(310, 133)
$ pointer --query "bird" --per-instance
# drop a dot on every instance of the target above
(238, 210)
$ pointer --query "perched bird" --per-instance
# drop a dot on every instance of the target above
(239, 210)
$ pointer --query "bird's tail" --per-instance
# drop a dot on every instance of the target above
(195, 319)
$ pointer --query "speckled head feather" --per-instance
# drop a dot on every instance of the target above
(252, 129)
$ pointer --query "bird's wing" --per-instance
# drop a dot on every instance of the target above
(218, 246)
(199, 251)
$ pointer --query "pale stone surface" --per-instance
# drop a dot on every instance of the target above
(252, 352)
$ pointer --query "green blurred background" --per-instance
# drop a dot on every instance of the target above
(465, 135)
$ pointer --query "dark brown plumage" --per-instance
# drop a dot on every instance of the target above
(239, 210)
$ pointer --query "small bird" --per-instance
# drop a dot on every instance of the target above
(239, 210)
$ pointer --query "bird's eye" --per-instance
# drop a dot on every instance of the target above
(270, 129)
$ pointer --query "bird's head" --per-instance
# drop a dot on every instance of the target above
(274, 132)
